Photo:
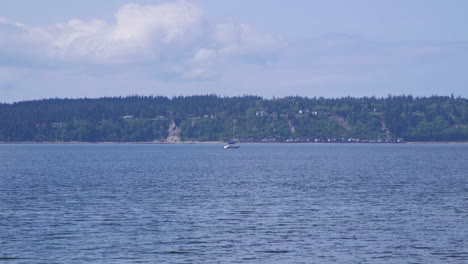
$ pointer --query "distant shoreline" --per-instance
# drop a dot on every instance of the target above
(111, 142)
(216, 142)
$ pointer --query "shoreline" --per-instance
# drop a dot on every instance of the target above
(214, 142)
(110, 142)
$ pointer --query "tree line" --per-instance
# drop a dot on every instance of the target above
(244, 118)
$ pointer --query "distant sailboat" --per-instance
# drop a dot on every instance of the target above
(231, 145)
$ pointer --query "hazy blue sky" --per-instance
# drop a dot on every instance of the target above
(333, 48)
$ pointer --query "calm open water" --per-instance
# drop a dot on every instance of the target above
(298, 203)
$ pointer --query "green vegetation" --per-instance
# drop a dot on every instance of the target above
(246, 118)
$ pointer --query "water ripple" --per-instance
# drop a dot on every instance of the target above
(261, 204)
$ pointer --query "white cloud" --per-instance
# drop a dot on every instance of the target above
(174, 32)
(230, 41)
(140, 33)
(169, 22)
(203, 55)
(18, 39)
(205, 63)
(173, 49)
(235, 38)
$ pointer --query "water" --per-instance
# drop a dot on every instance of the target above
(298, 203)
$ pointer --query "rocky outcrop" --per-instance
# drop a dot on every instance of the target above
(174, 134)
(342, 122)
(291, 127)
(385, 130)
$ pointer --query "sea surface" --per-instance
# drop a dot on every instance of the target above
(262, 203)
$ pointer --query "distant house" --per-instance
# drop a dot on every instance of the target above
(127, 117)
(57, 124)
(261, 113)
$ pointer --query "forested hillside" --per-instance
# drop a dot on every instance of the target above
(246, 118)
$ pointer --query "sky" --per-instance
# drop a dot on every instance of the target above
(271, 48)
